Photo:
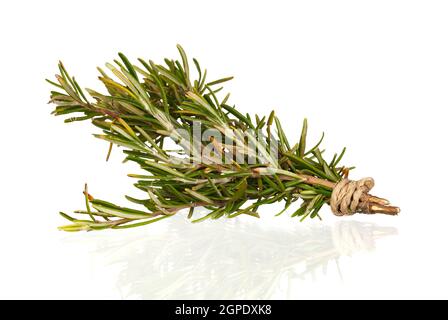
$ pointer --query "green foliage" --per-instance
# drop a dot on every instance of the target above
(146, 104)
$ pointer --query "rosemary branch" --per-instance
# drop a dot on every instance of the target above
(251, 165)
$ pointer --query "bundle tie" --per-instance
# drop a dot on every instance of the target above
(347, 196)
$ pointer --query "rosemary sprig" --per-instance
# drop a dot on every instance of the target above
(147, 104)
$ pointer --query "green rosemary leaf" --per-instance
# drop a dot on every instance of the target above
(212, 83)
(128, 65)
(237, 114)
(329, 174)
(302, 144)
(208, 216)
(339, 158)
(310, 207)
(199, 196)
(287, 205)
(240, 192)
(167, 169)
(75, 227)
(198, 68)
(120, 142)
(185, 64)
(306, 164)
(74, 119)
(139, 224)
(271, 183)
(121, 212)
(317, 145)
(54, 84)
(190, 212)
(66, 216)
(281, 134)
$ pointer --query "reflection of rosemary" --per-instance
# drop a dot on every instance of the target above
(251, 166)
(258, 268)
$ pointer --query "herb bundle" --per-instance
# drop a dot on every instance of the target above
(223, 160)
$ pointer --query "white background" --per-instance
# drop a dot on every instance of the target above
(372, 74)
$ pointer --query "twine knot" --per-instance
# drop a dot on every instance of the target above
(346, 198)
